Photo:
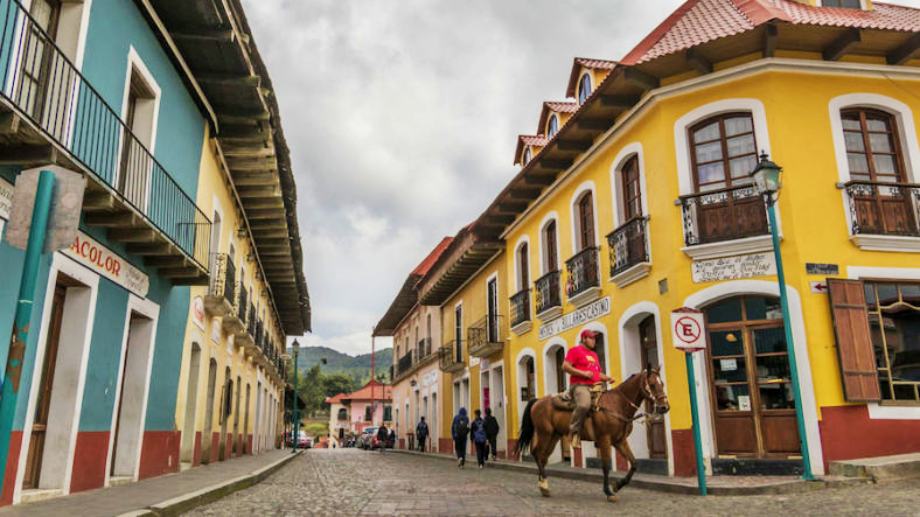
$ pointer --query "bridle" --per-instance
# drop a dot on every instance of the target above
(646, 393)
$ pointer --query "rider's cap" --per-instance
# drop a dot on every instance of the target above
(587, 333)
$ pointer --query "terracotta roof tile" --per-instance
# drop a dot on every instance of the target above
(525, 140)
(593, 64)
(422, 269)
(365, 392)
(561, 107)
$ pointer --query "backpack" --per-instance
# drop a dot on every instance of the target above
(479, 434)
(463, 426)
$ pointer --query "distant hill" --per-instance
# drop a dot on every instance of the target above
(358, 367)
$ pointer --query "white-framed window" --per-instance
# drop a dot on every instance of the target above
(549, 244)
(526, 158)
(552, 126)
(584, 88)
(584, 217)
(140, 111)
(849, 4)
(522, 264)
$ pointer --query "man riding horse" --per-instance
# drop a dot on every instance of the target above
(584, 369)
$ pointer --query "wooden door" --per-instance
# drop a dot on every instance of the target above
(657, 438)
(751, 390)
(586, 221)
(43, 405)
(492, 293)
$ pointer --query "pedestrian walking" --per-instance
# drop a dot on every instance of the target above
(382, 434)
(391, 440)
(459, 430)
(492, 429)
(421, 432)
(480, 439)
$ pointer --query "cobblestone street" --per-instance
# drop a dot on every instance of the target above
(354, 482)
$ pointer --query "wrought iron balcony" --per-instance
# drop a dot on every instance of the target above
(450, 357)
(548, 293)
(891, 209)
(723, 215)
(423, 350)
(628, 245)
(220, 298)
(404, 364)
(583, 273)
(520, 308)
(486, 336)
(64, 119)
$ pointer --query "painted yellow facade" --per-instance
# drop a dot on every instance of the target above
(214, 357)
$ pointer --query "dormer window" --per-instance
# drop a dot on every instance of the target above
(552, 127)
(850, 4)
(526, 158)
(584, 88)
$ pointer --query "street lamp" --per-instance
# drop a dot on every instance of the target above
(766, 178)
(295, 420)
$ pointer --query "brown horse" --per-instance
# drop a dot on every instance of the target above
(611, 424)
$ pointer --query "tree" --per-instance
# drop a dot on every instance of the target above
(312, 390)
(335, 383)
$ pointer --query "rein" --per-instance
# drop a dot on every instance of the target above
(645, 393)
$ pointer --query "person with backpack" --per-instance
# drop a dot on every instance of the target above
(459, 430)
(382, 434)
(492, 429)
(480, 439)
(421, 432)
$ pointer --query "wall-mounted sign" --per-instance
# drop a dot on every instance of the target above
(6, 201)
(429, 379)
(198, 312)
(102, 260)
(587, 313)
(733, 268)
(688, 329)
(474, 361)
(215, 329)
(822, 269)
(819, 287)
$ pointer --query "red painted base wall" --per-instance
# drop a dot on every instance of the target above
(12, 462)
(847, 433)
(159, 453)
(684, 452)
(89, 460)
(215, 447)
(196, 452)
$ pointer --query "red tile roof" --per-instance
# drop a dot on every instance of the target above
(337, 399)
(583, 62)
(425, 265)
(365, 393)
(556, 107)
(525, 140)
(700, 21)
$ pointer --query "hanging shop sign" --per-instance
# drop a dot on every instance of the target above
(6, 201)
(688, 330)
(587, 313)
(95, 256)
(822, 269)
(734, 268)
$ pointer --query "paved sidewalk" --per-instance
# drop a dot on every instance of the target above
(717, 485)
(139, 496)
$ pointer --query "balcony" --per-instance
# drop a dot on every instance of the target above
(629, 257)
(219, 300)
(485, 336)
(50, 113)
(234, 322)
(246, 338)
(450, 357)
(884, 216)
(520, 312)
(548, 293)
(725, 222)
(423, 349)
(404, 364)
(583, 283)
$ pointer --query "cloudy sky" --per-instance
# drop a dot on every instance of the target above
(402, 117)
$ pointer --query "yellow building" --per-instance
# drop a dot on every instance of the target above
(233, 372)
(640, 203)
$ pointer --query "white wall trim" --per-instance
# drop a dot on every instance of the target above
(587, 186)
(59, 264)
(549, 217)
(553, 342)
(524, 239)
(616, 183)
(597, 326)
(762, 287)
(628, 323)
(682, 143)
(876, 410)
(525, 352)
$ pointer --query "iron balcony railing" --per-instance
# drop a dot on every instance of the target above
(486, 336)
(404, 364)
(723, 215)
(242, 303)
(520, 308)
(450, 357)
(423, 350)
(223, 277)
(391, 373)
(628, 245)
(583, 272)
(258, 334)
(884, 208)
(548, 292)
(46, 88)
(251, 320)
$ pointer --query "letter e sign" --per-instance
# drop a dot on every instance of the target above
(688, 329)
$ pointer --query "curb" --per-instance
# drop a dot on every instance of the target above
(186, 502)
(788, 487)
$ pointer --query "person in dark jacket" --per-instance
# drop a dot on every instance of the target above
(480, 439)
(421, 433)
(382, 434)
(459, 430)
(492, 429)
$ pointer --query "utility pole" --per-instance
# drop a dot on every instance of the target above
(373, 400)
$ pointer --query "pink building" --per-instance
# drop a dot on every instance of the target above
(352, 412)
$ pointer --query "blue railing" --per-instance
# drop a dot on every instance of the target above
(44, 86)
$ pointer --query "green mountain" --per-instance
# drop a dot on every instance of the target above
(336, 362)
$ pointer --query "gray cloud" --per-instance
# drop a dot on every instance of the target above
(402, 117)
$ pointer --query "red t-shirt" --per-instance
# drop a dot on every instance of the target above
(583, 358)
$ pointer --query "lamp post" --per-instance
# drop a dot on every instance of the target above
(295, 416)
(766, 178)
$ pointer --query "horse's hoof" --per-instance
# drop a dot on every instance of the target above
(544, 487)
(544, 492)
(612, 498)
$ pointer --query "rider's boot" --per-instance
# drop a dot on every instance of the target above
(576, 441)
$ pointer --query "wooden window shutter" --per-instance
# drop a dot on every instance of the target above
(854, 340)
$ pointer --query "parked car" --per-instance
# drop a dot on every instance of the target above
(368, 435)
(303, 441)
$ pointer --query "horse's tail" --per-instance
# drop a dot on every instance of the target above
(527, 429)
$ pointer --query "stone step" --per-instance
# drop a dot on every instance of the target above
(880, 468)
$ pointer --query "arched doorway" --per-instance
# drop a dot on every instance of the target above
(526, 376)
(554, 376)
(751, 388)
(655, 429)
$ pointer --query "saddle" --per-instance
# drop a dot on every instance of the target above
(564, 401)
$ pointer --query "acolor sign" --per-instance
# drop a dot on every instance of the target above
(688, 329)
(102, 260)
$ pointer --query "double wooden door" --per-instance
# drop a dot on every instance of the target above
(751, 388)
(655, 428)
